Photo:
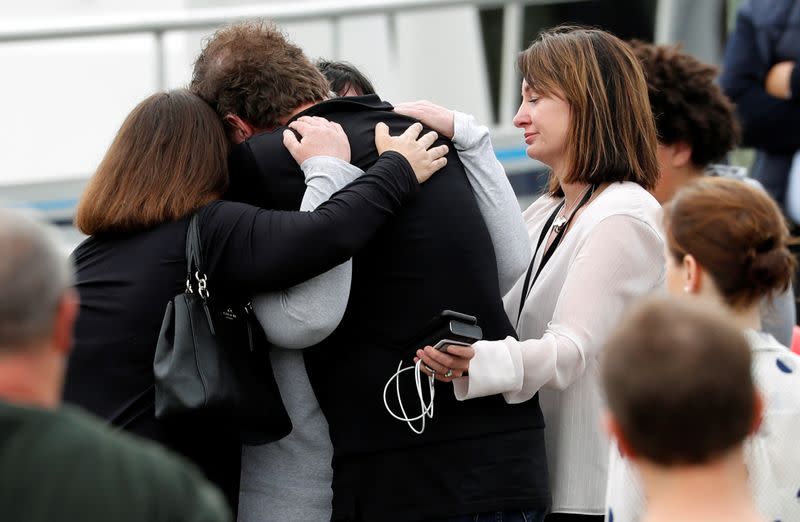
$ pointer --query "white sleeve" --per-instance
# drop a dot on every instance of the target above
(496, 199)
(622, 260)
(306, 314)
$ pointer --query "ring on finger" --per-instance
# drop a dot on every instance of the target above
(448, 373)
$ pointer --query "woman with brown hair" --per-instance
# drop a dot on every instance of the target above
(596, 247)
(727, 249)
(167, 163)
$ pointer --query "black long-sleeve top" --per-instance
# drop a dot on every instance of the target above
(126, 280)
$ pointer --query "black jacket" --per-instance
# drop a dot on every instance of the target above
(435, 255)
(767, 32)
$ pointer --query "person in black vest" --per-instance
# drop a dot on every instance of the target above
(477, 457)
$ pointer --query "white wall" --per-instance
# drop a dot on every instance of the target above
(63, 101)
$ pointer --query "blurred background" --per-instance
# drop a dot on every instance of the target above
(72, 69)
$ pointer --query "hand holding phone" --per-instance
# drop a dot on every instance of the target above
(444, 345)
(448, 327)
(449, 362)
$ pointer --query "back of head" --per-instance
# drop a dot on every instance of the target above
(612, 135)
(34, 275)
(678, 383)
(687, 103)
(736, 232)
(251, 70)
(345, 79)
(168, 159)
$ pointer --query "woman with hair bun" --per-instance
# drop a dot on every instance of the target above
(727, 248)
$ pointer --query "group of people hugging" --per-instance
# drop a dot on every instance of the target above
(349, 222)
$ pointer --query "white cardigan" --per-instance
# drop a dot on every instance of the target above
(771, 455)
(612, 255)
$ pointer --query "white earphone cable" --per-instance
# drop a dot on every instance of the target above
(427, 409)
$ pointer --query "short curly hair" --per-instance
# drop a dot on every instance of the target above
(687, 103)
(252, 70)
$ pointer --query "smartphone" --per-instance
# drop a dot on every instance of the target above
(448, 327)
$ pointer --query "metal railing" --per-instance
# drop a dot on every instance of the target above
(56, 199)
(158, 24)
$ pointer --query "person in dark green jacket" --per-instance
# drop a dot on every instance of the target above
(58, 463)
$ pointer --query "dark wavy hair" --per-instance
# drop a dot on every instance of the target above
(687, 103)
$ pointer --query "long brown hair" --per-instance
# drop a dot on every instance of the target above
(612, 134)
(168, 159)
(734, 231)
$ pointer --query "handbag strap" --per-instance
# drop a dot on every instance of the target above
(194, 258)
(194, 248)
(194, 265)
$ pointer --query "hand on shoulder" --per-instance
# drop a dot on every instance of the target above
(318, 137)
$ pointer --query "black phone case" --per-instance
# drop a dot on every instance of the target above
(453, 326)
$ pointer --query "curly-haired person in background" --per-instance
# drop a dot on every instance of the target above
(697, 127)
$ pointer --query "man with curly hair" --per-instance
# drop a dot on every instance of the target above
(696, 122)
(480, 457)
(697, 127)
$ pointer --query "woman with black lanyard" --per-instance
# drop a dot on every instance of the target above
(596, 247)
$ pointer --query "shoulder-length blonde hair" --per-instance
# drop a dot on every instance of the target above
(168, 159)
(612, 134)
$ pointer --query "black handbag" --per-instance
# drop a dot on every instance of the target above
(212, 357)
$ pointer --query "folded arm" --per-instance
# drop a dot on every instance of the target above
(765, 118)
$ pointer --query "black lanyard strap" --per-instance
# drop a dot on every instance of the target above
(559, 233)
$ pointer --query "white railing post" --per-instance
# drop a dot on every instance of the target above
(336, 37)
(161, 61)
(512, 40)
